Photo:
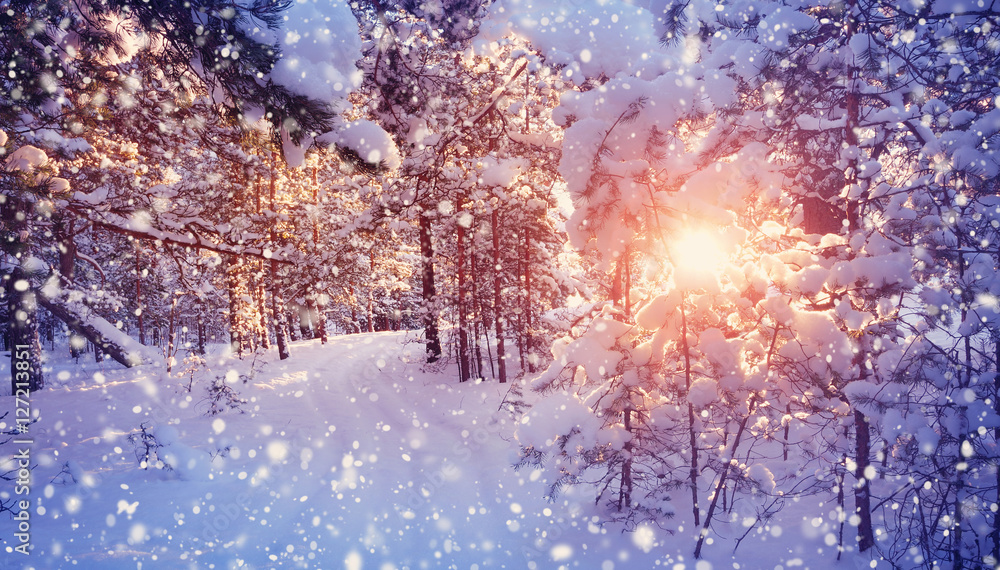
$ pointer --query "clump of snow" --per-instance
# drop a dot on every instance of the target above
(53, 139)
(136, 352)
(655, 313)
(58, 185)
(34, 264)
(703, 392)
(500, 173)
(589, 37)
(319, 44)
(190, 464)
(557, 415)
(761, 475)
(927, 440)
(369, 140)
(294, 154)
(775, 29)
(166, 434)
(26, 159)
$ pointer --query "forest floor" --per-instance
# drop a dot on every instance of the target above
(353, 454)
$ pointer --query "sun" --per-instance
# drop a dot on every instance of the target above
(698, 254)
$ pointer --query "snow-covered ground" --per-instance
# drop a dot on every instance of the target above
(350, 455)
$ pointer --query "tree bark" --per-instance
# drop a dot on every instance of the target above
(22, 308)
(862, 493)
(478, 324)
(63, 232)
(237, 334)
(371, 311)
(616, 284)
(429, 290)
(305, 323)
(291, 316)
(519, 329)
(995, 531)
(138, 293)
(261, 298)
(278, 314)
(171, 334)
(463, 334)
(25, 345)
(498, 319)
(277, 305)
(529, 340)
(625, 490)
(201, 327)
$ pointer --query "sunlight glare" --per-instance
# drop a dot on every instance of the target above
(698, 251)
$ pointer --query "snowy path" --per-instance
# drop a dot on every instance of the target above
(349, 455)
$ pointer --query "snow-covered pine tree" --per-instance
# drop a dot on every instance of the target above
(465, 145)
(841, 100)
(75, 66)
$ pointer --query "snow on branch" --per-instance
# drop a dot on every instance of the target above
(122, 348)
(190, 239)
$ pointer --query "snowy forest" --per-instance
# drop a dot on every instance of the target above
(500, 283)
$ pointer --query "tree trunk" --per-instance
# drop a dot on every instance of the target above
(529, 340)
(25, 345)
(261, 298)
(862, 493)
(519, 304)
(842, 499)
(22, 308)
(305, 323)
(63, 232)
(371, 311)
(628, 283)
(278, 314)
(429, 291)
(291, 317)
(463, 334)
(625, 491)
(616, 284)
(995, 531)
(138, 293)
(171, 334)
(237, 334)
(277, 305)
(478, 324)
(201, 328)
(963, 430)
(498, 319)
